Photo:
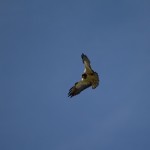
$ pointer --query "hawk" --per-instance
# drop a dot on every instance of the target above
(89, 78)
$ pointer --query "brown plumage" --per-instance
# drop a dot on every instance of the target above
(89, 78)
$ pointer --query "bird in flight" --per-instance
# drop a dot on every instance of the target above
(89, 78)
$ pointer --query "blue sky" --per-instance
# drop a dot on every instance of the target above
(40, 60)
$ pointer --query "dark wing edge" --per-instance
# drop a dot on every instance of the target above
(78, 87)
(87, 64)
(86, 60)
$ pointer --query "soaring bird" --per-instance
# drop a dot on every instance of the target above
(89, 78)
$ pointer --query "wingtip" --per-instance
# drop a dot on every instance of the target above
(70, 95)
(82, 55)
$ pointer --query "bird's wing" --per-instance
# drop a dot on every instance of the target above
(86, 63)
(78, 87)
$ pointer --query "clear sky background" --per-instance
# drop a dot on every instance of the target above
(41, 42)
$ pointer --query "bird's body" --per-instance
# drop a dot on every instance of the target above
(89, 78)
